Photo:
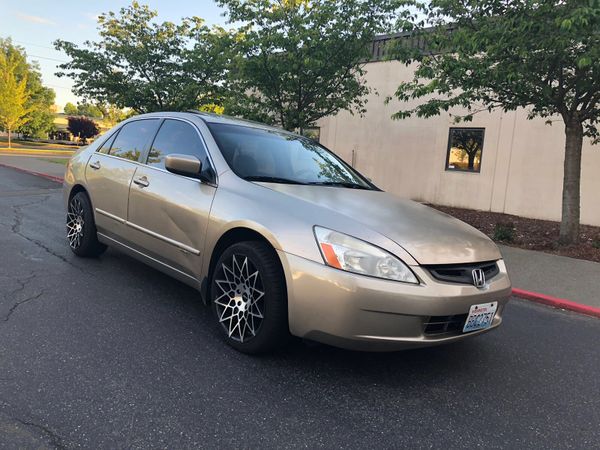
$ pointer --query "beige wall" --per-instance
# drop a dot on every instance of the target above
(521, 169)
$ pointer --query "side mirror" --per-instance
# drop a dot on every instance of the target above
(186, 165)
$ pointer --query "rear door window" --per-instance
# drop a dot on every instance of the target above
(133, 139)
(106, 146)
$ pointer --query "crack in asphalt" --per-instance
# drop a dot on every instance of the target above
(18, 223)
(22, 282)
(55, 440)
(17, 304)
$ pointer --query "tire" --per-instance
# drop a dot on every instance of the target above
(249, 298)
(81, 228)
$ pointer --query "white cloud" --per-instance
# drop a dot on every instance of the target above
(91, 16)
(35, 19)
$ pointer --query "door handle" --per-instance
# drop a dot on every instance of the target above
(141, 181)
(95, 165)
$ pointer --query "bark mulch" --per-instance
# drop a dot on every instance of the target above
(531, 234)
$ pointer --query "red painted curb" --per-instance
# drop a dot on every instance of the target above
(557, 302)
(37, 174)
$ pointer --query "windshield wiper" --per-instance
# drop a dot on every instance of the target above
(345, 184)
(268, 179)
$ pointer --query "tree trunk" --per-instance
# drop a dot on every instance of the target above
(8, 137)
(471, 160)
(569, 226)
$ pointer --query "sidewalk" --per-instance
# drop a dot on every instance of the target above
(557, 276)
(40, 166)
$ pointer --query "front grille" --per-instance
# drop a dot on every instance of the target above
(463, 273)
(445, 324)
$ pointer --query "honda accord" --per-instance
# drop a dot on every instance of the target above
(280, 236)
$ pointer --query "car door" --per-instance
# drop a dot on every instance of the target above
(168, 213)
(110, 170)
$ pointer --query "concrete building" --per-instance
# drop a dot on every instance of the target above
(516, 165)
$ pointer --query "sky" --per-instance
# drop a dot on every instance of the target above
(34, 25)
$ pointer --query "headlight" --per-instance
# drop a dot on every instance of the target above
(353, 255)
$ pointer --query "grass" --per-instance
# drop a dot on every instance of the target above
(62, 161)
(18, 144)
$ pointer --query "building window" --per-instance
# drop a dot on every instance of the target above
(312, 133)
(465, 147)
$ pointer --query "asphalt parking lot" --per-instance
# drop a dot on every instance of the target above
(108, 353)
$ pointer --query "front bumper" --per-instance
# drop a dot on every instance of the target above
(364, 313)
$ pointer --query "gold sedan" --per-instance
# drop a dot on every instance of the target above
(281, 237)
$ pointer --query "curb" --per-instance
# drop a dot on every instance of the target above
(37, 174)
(556, 302)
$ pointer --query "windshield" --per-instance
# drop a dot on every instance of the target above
(256, 154)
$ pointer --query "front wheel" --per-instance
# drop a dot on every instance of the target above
(249, 298)
(81, 228)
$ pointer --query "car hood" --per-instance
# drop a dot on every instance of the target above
(430, 236)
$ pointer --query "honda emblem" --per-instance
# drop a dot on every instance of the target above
(478, 278)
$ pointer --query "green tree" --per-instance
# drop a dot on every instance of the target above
(298, 61)
(89, 110)
(543, 56)
(70, 109)
(144, 65)
(111, 115)
(40, 103)
(82, 128)
(41, 115)
(13, 96)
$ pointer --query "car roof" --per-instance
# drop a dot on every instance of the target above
(214, 118)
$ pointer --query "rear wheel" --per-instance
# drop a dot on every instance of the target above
(81, 228)
(249, 298)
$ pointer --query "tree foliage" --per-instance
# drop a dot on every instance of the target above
(13, 96)
(299, 60)
(89, 110)
(147, 66)
(82, 128)
(70, 109)
(112, 115)
(541, 55)
(83, 109)
(40, 99)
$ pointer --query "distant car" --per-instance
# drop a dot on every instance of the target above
(281, 237)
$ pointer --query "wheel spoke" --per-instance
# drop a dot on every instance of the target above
(75, 223)
(241, 295)
(225, 286)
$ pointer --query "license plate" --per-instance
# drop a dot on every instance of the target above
(480, 316)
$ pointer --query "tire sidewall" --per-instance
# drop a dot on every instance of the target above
(89, 242)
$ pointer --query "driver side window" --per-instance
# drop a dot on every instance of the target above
(175, 136)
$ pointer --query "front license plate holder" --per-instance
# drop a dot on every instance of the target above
(480, 316)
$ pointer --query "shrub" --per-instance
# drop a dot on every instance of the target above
(82, 128)
(596, 243)
(504, 231)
